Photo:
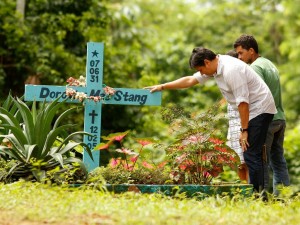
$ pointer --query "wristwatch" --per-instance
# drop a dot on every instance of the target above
(243, 129)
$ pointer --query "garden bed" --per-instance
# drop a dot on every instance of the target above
(189, 190)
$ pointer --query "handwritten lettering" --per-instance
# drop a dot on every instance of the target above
(126, 97)
(119, 96)
(45, 93)
(97, 93)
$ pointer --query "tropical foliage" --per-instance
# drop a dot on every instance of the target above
(129, 165)
(194, 157)
(197, 155)
(33, 145)
(146, 42)
(292, 144)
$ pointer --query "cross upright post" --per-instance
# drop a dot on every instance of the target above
(93, 110)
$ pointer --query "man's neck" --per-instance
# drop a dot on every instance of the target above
(255, 57)
(216, 62)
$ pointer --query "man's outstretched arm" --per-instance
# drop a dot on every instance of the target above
(183, 82)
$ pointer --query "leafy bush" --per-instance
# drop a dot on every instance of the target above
(32, 144)
(292, 154)
(195, 157)
(126, 165)
(119, 175)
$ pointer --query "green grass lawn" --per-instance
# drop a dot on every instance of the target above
(26, 203)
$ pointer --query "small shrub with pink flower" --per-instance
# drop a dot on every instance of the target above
(196, 156)
(129, 166)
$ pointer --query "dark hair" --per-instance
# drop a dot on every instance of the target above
(246, 42)
(199, 54)
(232, 53)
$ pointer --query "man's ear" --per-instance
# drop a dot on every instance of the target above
(206, 62)
(251, 50)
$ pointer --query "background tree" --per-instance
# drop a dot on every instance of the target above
(290, 69)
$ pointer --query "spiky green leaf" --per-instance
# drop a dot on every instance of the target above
(12, 153)
(18, 133)
(51, 137)
(62, 116)
(8, 118)
(58, 157)
(28, 151)
(27, 119)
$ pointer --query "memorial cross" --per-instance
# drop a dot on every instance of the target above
(92, 110)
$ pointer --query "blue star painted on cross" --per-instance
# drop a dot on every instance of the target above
(95, 53)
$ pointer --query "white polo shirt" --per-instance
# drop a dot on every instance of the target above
(238, 82)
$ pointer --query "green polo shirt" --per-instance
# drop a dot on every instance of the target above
(269, 73)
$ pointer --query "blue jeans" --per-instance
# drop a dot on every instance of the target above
(257, 133)
(275, 156)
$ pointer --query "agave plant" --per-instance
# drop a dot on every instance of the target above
(29, 137)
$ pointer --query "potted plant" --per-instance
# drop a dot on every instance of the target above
(192, 161)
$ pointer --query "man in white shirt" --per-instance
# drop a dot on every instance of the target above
(233, 134)
(245, 91)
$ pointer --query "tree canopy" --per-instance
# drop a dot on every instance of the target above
(146, 42)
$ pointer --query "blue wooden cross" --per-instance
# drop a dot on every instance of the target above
(92, 114)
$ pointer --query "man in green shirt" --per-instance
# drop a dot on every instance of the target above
(247, 49)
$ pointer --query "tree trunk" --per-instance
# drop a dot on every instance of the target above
(21, 7)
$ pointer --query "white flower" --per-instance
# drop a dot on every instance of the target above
(126, 151)
(81, 81)
(80, 96)
(70, 92)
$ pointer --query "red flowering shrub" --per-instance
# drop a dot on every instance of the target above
(197, 162)
(130, 166)
(128, 158)
(196, 156)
